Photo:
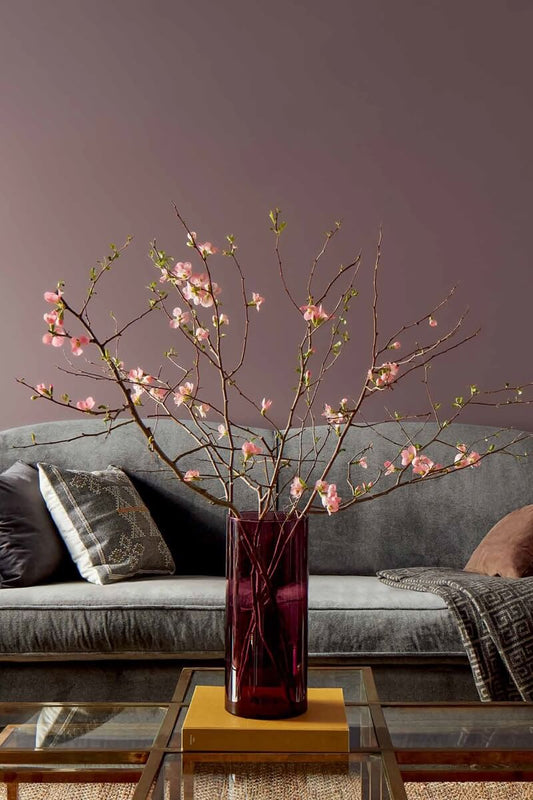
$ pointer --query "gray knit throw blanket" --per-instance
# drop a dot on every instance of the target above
(495, 620)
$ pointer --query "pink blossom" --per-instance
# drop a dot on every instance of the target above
(138, 375)
(182, 270)
(389, 467)
(45, 390)
(297, 487)
(49, 338)
(265, 405)
(328, 495)
(191, 475)
(179, 317)
(207, 249)
(200, 291)
(422, 465)
(222, 431)
(53, 297)
(206, 296)
(223, 319)
(432, 322)
(250, 449)
(85, 405)
(335, 418)
(136, 394)
(256, 300)
(462, 448)
(185, 392)
(463, 460)
(307, 377)
(408, 454)
(140, 379)
(363, 463)
(158, 393)
(203, 409)
(198, 279)
(328, 411)
(395, 346)
(201, 334)
(387, 373)
(193, 290)
(52, 318)
(76, 344)
(314, 314)
(190, 292)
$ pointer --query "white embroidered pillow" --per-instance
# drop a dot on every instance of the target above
(104, 523)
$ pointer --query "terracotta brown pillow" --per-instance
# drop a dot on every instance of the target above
(507, 549)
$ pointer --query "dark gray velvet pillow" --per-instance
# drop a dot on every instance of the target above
(31, 549)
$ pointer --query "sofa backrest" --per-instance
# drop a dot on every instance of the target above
(193, 529)
(434, 523)
(437, 522)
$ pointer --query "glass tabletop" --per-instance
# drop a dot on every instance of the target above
(463, 727)
(364, 772)
(93, 727)
(350, 679)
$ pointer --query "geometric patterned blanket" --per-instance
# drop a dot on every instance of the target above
(495, 620)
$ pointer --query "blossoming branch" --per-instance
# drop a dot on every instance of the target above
(192, 302)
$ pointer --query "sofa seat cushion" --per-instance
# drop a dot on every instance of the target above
(163, 615)
(184, 615)
(357, 615)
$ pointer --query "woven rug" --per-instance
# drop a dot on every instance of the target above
(293, 782)
(469, 791)
(334, 789)
(72, 791)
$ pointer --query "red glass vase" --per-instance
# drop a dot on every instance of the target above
(266, 615)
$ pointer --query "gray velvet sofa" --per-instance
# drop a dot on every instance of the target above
(126, 640)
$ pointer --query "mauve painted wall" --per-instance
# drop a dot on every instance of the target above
(417, 115)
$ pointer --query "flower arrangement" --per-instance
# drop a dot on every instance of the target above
(266, 595)
(192, 301)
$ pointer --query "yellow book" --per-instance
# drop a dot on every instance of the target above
(210, 728)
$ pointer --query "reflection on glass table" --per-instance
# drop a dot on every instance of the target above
(98, 727)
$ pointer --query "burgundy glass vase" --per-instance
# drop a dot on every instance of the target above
(266, 615)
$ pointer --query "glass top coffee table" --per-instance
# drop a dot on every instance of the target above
(133, 751)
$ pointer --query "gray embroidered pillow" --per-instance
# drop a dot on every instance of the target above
(104, 523)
